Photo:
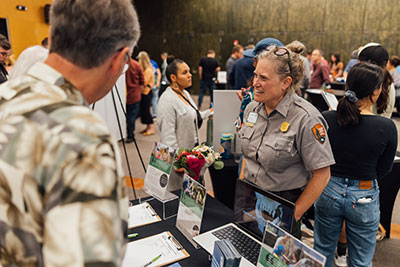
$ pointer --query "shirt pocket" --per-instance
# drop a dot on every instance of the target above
(245, 135)
(278, 154)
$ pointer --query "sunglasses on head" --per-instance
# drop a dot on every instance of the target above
(281, 51)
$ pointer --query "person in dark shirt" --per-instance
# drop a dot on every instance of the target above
(237, 53)
(5, 48)
(207, 68)
(364, 146)
(134, 84)
(243, 69)
(241, 72)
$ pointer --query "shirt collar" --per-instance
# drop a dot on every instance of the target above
(47, 74)
(282, 107)
(284, 104)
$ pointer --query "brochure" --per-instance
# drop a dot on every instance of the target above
(225, 254)
(282, 249)
(158, 172)
(191, 207)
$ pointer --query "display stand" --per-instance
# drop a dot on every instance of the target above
(191, 208)
(160, 178)
(167, 204)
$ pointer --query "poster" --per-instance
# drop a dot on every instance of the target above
(158, 172)
(280, 249)
(191, 208)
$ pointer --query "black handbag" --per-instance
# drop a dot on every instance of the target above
(199, 118)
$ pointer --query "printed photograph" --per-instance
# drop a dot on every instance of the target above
(286, 250)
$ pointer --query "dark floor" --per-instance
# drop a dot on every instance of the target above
(387, 253)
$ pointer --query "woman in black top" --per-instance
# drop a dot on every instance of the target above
(364, 146)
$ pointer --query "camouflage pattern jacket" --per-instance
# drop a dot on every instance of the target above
(62, 201)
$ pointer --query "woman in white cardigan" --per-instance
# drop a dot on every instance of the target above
(177, 114)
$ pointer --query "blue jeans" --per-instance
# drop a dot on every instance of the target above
(204, 84)
(132, 112)
(341, 200)
(154, 101)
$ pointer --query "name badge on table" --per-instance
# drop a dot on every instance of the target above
(251, 119)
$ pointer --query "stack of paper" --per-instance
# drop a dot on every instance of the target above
(141, 214)
(157, 250)
(225, 255)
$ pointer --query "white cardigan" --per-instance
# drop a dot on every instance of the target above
(177, 121)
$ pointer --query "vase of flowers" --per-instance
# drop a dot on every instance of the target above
(196, 161)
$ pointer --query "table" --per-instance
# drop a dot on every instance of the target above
(215, 214)
(316, 98)
(337, 85)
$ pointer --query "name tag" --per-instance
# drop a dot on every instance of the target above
(251, 119)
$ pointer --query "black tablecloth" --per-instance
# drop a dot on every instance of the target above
(224, 182)
(215, 214)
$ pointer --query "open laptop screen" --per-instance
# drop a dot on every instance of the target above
(254, 207)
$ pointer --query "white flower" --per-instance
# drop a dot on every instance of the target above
(210, 159)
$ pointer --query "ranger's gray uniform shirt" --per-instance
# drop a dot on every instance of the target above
(283, 148)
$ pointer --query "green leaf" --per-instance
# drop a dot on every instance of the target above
(218, 165)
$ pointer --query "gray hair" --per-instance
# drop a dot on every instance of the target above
(282, 62)
(88, 32)
(27, 59)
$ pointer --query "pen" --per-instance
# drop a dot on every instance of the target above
(133, 235)
(153, 260)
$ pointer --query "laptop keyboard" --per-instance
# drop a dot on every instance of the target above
(246, 246)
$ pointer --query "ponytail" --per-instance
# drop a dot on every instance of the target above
(348, 114)
(362, 81)
(382, 102)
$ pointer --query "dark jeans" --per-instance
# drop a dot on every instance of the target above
(204, 84)
(132, 112)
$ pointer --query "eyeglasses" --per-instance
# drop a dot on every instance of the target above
(281, 51)
(126, 58)
(4, 54)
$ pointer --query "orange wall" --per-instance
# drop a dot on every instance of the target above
(26, 28)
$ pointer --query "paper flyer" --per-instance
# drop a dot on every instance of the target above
(141, 214)
(158, 171)
(280, 249)
(157, 250)
(191, 207)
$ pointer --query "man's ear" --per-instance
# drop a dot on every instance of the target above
(118, 60)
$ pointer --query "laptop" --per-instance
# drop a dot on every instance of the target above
(253, 207)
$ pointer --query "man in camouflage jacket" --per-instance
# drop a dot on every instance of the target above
(62, 201)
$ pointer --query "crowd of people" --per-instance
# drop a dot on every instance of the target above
(61, 186)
